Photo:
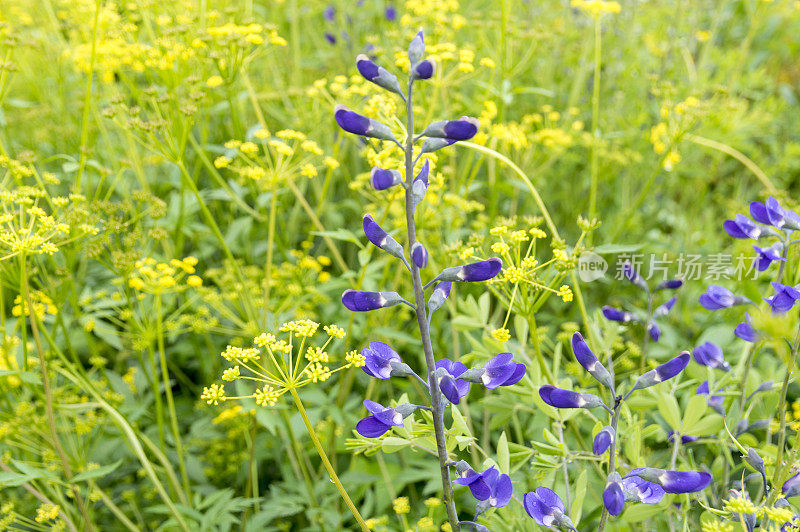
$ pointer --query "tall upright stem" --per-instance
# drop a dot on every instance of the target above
(594, 166)
(777, 479)
(419, 300)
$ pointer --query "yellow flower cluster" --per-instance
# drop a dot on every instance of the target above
(401, 505)
(155, 277)
(280, 364)
(42, 305)
(676, 120)
(597, 8)
(46, 512)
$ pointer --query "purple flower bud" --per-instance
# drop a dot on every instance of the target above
(615, 314)
(390, 13)
(420, 185)
(560, 398)
(329, 13)
(383, 418)
(361, 301)
(603, 440)
(501, 370)
(791, 487)
(439, 295)
(423, 173)
(377, 74)
(742, 227)
(663, 372)
(357, 124)
(382, 178)
(784, 298)
(710, 354)
(719, 297)
(756, 462)
(381, 238)
(474, 272)
(768, 255)
(670, 284)
(419, 255)
(745, 330)
(613, 496)
(663, 309)
(546, 508)
(433, 144)
(633, 276)
(424, 69)
(462, 129)
(639, 490)
(379, 359)
(453, 388)
(684, 437)
(674, 481)
(330, 38)
(654, 331)
(590, 363)
(416, 49)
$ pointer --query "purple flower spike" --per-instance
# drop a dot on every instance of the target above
(590, 363)
(603, 440)
(663, 372)
(768, 255)
(560, 398)
(377, 74)
(615, 314)
(382, 178)
(639, 490)
(383, 418)
(719, 297)
(357, 124)
(674, 481)
(361, 301)
(546, 508)
(791, 487)
(474, 272)
(742, 227)
(419, 255)
(613, 496)
(462, 129)
(710, 354)
(379, 359)
(784, 298)
(670, 284)
(381, 238)
(745, 330)
(501, 370)
(453, 388)
(439, 296)
(424, 69)
(416, 49)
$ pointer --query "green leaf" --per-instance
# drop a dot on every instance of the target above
(668, 407)
(11, 479)
(459, 426)
(96, 473)
(695, 411)
(503, 459)
(392, 444)
(580, 494)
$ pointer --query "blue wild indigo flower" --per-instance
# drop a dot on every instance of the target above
(742, 227)
(462, 129)
(381, 239)
(383, 179)
(419, 255)
(718, 297)
(546, 508)
(383, 418)
(381, 361)
(390, 13)
(639, 490)
(440, 293)
(362, 301)
(674, 481)
(470, 273)
(603, 440)
(714, 401)
(771, 213)
(490, 485)
(501, 370)
(448, 373)
(590, 363)
(710, 354)
(560, 398)
(424, 69)
(685, 438)
(765, 256)
(613, 495)
(358, 124)
(378, 75)
(745, 330)
(663, 372)
(615, 314)
(784, 299)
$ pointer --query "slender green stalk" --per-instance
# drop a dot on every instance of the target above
(176, 433)
(594, 163)
(777, 479)
(612, 459)
(87, 99)
(324, 457)
(422, 321)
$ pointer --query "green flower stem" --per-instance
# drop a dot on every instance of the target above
(422, 321)
(324, 457)
(87, 99)
(594, 163)
(778, 478)
(176, 433)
